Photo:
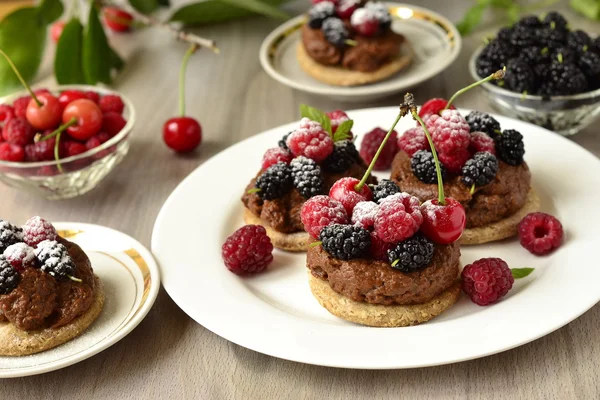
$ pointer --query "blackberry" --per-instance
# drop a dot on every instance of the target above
(275, 182)
(596, 45)
(55, 259)
(523, 36)
(510, 147)
(283, 142)
(529, 21)
(566, 79)
(345, 241)
(383, 189)
(9, 277)
(307, 177)
(555, 21)
(563, 54)
(551, 38)
(535, 55)
(480, 170)
(590, 64)
(411, 255)
(485, 67)
(483, 122)
(520, 77)
(498, 53)
(578, 41)
(343, 156)
(9, 234)
(319, 13)
(335, 32)
(504, 34)
(423, 166)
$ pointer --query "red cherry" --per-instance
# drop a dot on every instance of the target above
(433, 106)
(6, 112)
(444, 224)
(344, 191)
(46, 116)
(113, 123)
(69, 96)
(93, 96)
(182, 134)
(88, 117)
(56, 30)
(117, 19)
(11, 152)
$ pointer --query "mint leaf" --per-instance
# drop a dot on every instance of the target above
(145, 6)
(50, 10)
(519, 273)
(96, 51)
(215, 11)
(316, 115)
(343, 130)
(68, 66)
(471, 19)
(258, 7)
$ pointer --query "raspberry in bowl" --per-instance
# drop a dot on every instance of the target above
(96, 124)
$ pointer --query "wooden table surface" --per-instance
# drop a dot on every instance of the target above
(171, 356)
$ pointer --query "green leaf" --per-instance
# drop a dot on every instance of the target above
(589, 8)
(316, 115)
(116, 61)
(214, 11)
(144, 6)
(23, 38)
(519, 273)
(96, 51)
(258, 7)
(50, 10)
(68, 65)
(164, 3)
(502, 3)
(514, 13)
(471, 19)
(343, 130)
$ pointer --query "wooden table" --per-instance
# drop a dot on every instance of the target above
(171, 356)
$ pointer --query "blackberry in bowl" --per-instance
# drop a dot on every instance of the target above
(552, 73)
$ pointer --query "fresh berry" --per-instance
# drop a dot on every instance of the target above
(36, 230)
(579, 41)
(433, 106)
(344, 155)
(9, 235)
(20, 106)
(540, 233)
(182, 134)
(567, 79)
(398, 218)
(379, 249)
(54, 259)
(46, 116)
(307, 177)
(510, 147)
(365, 22)
(41, 151)
(453, 162)
(412, 254)
(319, 13)
(310, 140)
(413, 140)
(482, 122)
(11, 152)
(533, 56)
(111, 103)
(529, 21)
(383, 189)
(117, 19)
(345, 242)
(449, 131)
(56, 30)
(480, 170)
(6, 112)
(103, 137)
(497, 54)
(337, 117)
(484, 66)
(563, 55)
(93, 96)
(283, 142)
(335, 31)
(20, 256)
(9, 276)
(520, 77)
(555, 20)
(88, 117)
(67, 96)
(113, 123)
(275, 155)
(381, 13)
(589, 63)
(275, 181)
(370, 144)
(487, 280)
(481, 141)
(443, 224)
(423, 167)
(346, 8)
(363, 214)
(523, 36)
(344, 191)
(18, 131)
(73, 148)
(320, 211)
(248, 250)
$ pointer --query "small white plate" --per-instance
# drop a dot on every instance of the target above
(131, 282)
(275, 313)
(434, 40)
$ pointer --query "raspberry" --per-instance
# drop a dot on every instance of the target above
(41, 151)
(275, 182)
(6, 112)
(449, 131)
(111, 103)
(11, 152)
(319, 13)
(55, 259)
(383, 189)
(18, 131)
(90, 144)
(454, 162)
(379, 248)
(510, 147)
(382, 14)
(413, 140)
(345, 241)
(412, 254)
(36, 230)
(320, 211)
(307, 177)
(337, 117)
(423, 167)
(20, 106)
(364, 21)
(93, 96)
(363, 214)
(344, 155)
(335, 31)
(346, 8)
(9, 235)
(481, 141)
(370, 145)
(344, 191)
(275, 155)
(247, 250)
(73, 148)
(540, 233)
(398, 218)
(20, 256)
(112, 123)
(487, 280)
(9, 277)
(433, 106)
(310, 140)
(480, 170)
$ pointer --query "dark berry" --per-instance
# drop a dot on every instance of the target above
(520, 77)
(504, 34)
(596, 45)
(345, 241)
(540, 233)
(535, 55)
(307, 177)
(589, 63)
(485, 67)
(319, 13)
(523, 36)
(275, 182)
(555, 21)
(551, 38)
(529, 21)
(563, 54)
(498, 53)
(335, 32)
(413, 254)
(383, 189)
(247, 250)
(578, 41)
(510, 147)
(55, 260)
(423, 166)
(9, 276)
(282, 143)
(480, 170)
(343, 157)
(566, 79)
(9, 234)
(483, 122)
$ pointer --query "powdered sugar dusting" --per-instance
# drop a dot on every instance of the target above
(19, 255)
(36, 230)
(379, 10)
(325, 7)
(413, 140)
(364, 213)
(361, 16)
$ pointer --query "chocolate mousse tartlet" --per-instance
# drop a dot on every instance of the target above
(350, 42)
(306, 163)
(48, 291)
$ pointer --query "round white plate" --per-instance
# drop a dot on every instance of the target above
(131, 282)
(434, 40)
(274, 312)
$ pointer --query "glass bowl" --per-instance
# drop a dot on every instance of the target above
(80, 173)
(565, 115)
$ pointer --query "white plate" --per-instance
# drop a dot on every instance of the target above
(131, 282)
(434, 40)
(274, 313)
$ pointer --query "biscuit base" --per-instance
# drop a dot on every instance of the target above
(297, 241)
(16, 342)
(339, 76)
(505, 228)
(379, 315)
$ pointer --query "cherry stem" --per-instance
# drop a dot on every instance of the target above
(20, 77)
(60, 129)
(495, 76)
(438, 170)
(74, 279)
(57, 152)
(191, 50)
